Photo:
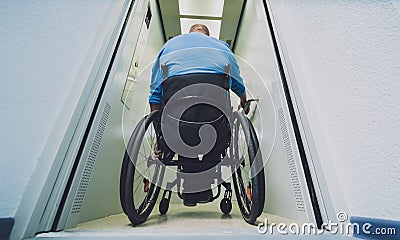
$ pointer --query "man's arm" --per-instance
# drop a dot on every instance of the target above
(246, 107)
(154, 107)
(237, 84)
(157, 152)
(155, 88)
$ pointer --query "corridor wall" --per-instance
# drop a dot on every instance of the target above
(50, 54)
(344, 62)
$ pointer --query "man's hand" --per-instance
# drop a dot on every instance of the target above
(246, 107)
(244, 104)
(157, 152)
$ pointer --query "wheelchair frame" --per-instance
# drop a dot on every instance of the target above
(250, 198)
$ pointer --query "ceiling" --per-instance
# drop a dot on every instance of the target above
(220, 16)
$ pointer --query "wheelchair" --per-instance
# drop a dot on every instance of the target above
(142, 175)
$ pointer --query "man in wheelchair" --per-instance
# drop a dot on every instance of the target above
(190, 83)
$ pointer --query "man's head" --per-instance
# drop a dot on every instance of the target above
(200, 28)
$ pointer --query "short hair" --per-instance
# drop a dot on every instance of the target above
(200, 28)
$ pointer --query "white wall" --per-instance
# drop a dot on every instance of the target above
(345, 59)
(47, 49)
(102, 196)
(286, 190)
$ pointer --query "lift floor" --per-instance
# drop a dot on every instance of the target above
(205, 221)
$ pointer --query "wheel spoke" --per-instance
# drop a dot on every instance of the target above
(143, 154)
(246, 172)
(141, 162)
(136, 188)
(243, 191)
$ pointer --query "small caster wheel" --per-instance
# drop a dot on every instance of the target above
(225, 205)
(164, 205)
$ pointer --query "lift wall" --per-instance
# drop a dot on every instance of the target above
(286, 190)
(140, 48)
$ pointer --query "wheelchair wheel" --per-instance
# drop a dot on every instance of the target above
(141, 175)
(248, 171)
(125, 163)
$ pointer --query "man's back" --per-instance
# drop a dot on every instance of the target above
(194, 53)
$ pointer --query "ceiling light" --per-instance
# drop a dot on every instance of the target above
(211, 8)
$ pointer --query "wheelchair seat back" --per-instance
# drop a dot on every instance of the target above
(207, 107)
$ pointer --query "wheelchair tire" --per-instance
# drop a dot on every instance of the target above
(259, 165)
(250, 189)
(124, 166)
(139, 189)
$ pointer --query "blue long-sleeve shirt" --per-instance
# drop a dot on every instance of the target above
(194, 53)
